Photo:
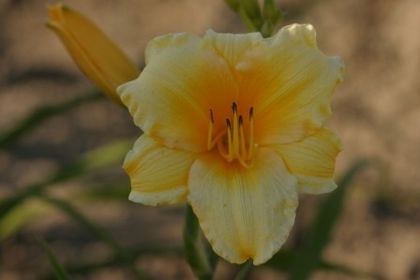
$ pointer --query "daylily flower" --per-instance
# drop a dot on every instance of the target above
(234, 125)
(94, 52)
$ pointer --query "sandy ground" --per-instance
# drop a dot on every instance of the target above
(376, 113)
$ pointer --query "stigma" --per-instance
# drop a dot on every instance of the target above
(234, 142)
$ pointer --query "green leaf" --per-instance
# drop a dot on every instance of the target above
(282, 260)
(267, 29)
(252, 10)
(86, 164)
(233, 4)
(9, 203)
(340, 268)
(93, 160)
(272, 16)
(96, 231)
(117, 191)
(285, 259)
(246, 20)
(249, 12)
(320, 232)
(197, 253)
(59, 271)
(20, 216)
(136, 252)
(271, 13)
(40, 115)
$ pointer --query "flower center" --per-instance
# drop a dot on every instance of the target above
(232, 142)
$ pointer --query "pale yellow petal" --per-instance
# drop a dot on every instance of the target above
(312, 161)
(184, 78)
(244, 213)
(289, 82)
(233, 47)
(158, 175)
(94, 52)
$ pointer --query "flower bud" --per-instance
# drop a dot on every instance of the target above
(99, 58)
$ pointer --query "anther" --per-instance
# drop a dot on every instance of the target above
(228, 124)
(234, 107)
(234, 142)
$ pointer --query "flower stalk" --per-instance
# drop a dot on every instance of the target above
(196, 253)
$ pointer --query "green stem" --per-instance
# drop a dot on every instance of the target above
(244, 271)
(195, 250)
(42, 114)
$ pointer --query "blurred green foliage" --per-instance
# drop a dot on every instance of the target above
(263, 19)
(59, 271)
(39, 115)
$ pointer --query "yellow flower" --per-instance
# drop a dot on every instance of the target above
(95, 54)
(234, 125)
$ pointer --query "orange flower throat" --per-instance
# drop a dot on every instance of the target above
(232, 142)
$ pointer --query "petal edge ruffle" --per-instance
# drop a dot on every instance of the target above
(244, 213)
(158, 175)
(312, 161)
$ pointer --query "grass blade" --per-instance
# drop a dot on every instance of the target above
(285, 259)
(59, 271)
(22, 215)
(97, 231)
(320, 232)
(86, 164)
(40, 115)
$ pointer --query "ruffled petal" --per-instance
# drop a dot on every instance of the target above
(184, 78)
(158, 174)
(233, 47)
(244, 213)
(312, 161)
(289, 82)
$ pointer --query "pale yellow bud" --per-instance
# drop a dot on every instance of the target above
(100, 59)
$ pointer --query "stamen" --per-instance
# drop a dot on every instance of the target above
(235, 132)
(210, 143)
(244, 163)
(251, 133)
(230, 140)
(243, 151)
(234, 107)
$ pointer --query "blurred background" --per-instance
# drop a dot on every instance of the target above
(61, 147)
